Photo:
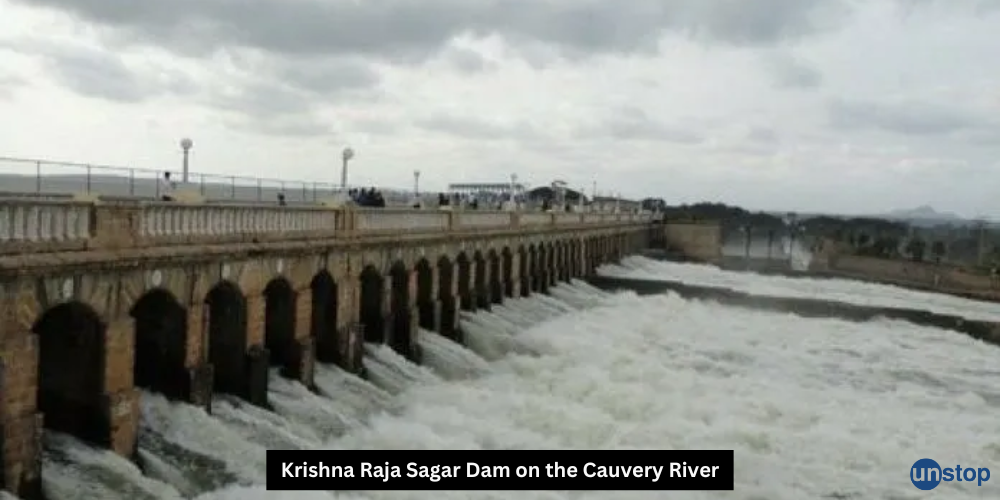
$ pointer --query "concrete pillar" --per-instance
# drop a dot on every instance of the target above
(257, 358)
(20, 421)
(515, 274)
(120, 403)
(200, 374)
(349, 337)
(302, 352)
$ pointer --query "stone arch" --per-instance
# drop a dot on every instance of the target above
(464, 282)
(401, 340)
(324, 318)
(523, 273)
(372, 291)
(496, 283)
(480, 290)
(507, 272)
(227, 338)
(71, 364)
(542, 270)
(161, 344)
(533, 268)
(279, 325)
(425, 295)
(446, 298)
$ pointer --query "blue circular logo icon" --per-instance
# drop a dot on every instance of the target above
(925, 474)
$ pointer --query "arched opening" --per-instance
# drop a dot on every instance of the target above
(227, 338)
(446, 298)
(425, 295)
(323, 327)
(480, 290)
(161, 344)
(71, 372)
(399, 307)
(496, 285)
(522, 271)
(542, 269)
(464, 283)
(533, 268)
(372, 289)
(279, 325)
(508, 272)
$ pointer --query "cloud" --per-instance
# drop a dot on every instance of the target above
(631, 123)
(791, 72)
(9, 83)
(909, 118)
(401, 30)
(98, 73)
(478, 128)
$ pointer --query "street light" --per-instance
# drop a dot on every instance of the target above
(186, 145)
(347, 155)
(416, 183)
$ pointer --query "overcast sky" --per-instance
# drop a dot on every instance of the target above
(814, 105)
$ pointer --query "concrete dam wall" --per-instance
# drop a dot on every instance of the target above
(805, 307)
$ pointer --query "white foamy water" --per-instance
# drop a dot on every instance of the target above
(854, 292)
(813, 408)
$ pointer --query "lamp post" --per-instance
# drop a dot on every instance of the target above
(416, 183)
(791, 221)
(347, 155)
(746, 229)
(186, 145)
(513, 190)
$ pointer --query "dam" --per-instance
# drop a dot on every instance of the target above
(189, 300)
(490, 362)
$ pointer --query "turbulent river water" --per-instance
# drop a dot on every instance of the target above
(813, 408)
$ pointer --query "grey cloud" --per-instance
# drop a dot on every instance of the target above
(474, 128)
(910, 118)
(9, 83)
(329, 76)
(103, 74)
(790, 72)
(467, 61)
(762, 135)
(269, 107)
(632, 123)
(405, 30)
(286, 126)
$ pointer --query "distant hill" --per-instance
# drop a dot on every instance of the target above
(923, 213)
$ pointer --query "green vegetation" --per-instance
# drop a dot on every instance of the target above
(969, 245)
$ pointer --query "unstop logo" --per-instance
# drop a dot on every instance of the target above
(926, 474)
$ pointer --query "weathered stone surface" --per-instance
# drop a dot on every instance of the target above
(128, 254)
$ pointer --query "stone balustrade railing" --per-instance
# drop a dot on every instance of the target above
(159, 222)
(27, 226)
(33, 225)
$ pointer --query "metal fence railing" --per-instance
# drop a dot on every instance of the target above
(46, 177)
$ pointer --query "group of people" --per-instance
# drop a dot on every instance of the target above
(371, 197)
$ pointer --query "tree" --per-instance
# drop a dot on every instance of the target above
(862, 240)
(916, 247)
(938, 250)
